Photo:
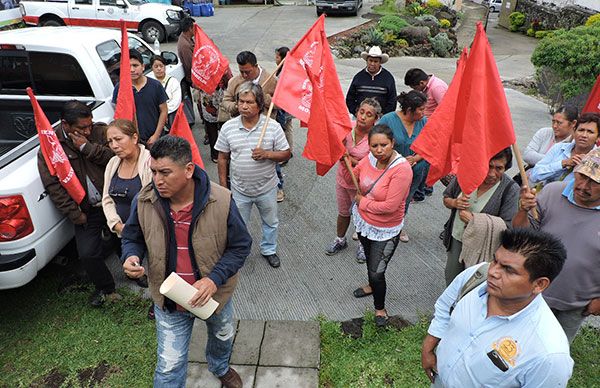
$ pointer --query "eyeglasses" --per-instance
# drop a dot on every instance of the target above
(123, 194)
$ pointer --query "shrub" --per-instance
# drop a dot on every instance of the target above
(392, 23)
(401, 43)
(530, 32)
(416, 9)
(594, 19)
(445, 23)
(428, 18)
(543, 34)
(372, 37)
(573, 56)
(517, 19)
(434, 4)
(441, 45)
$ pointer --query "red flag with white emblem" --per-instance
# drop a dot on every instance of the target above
(54, 155)
(208, 64)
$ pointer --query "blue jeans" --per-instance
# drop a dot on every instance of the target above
(267, 208)
(174, 330)
(420, 171)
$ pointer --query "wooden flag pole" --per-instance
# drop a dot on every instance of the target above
(272, 74)
(524, 179)
(349, 167)
(264, 128)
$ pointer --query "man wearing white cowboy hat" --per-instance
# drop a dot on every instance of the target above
(373, 81)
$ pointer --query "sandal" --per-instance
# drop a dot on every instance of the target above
(361, 293)
(381, 321)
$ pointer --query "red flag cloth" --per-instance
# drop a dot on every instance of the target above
(54, 155)
(208, 64)
(307, 66)
(440, 139)
(478, 127)
(593, 102)
(181, 128)
(323, 144)
(125, 107)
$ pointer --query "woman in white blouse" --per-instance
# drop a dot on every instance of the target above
(564, 122)
(171, 85)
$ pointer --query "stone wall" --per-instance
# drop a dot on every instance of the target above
(553, 17)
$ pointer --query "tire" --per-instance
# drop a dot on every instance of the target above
(319, 13)
(153, 30)
(492, 9)
(51, 22)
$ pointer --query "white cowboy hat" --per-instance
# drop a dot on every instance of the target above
(375, 51)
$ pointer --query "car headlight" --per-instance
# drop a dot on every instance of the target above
(172, 14)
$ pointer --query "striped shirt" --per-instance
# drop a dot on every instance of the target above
(248, 176)
(182, 221)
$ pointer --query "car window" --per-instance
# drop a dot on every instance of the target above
(83, 2)
(110, 53)
(50, 74)
(108, 2)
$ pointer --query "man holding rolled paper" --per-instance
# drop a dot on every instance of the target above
(191, 229)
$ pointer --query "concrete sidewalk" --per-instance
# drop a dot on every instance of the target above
(265, 354)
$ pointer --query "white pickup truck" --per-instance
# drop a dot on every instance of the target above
(60, 64)
(152, 20)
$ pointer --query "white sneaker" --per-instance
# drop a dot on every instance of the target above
(355, 236)
(280, 195)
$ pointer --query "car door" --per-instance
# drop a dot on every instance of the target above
(82, 13)
(112, 11)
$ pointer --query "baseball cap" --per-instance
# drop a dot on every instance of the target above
(590, 165)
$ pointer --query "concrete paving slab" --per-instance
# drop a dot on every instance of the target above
(246, 348)
(273, 377)
(198, 376)
(290, 343)
(198, 341)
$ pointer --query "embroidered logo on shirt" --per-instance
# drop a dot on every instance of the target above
(507, 348)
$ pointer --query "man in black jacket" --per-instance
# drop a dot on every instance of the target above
(373, 81)
(84, 144)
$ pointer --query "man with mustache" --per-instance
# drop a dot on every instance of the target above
(571, 212)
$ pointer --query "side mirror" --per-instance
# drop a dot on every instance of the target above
(170, 57)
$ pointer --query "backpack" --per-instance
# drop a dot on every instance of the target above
(478, 277)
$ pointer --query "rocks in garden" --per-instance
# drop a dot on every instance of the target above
(415, 35)
(433, 25)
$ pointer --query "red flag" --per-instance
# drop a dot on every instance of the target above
(54, 155)
(440, 139)
(323, 144)
(593, 102)
(181, 128)
(478, 127)
(125, 107)
(208, 64)
(307, 66)
(293, 91)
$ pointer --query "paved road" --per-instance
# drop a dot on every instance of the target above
(309, 283)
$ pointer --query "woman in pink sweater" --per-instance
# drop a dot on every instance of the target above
(384, 178)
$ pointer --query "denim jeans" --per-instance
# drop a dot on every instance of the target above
(267, 208)
(279, 176)
(420, 171)
(174, 331)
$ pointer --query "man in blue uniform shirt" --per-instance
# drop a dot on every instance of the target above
(502, 333)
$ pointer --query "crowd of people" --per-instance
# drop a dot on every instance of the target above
(507, 243)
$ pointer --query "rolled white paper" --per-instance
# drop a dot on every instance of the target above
(180, 292)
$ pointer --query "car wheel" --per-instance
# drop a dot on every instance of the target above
(319, 13)
(152, 30)
(492, 9)
(52, 22)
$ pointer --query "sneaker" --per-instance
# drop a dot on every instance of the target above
(273, 260)
(403, 236)
(355, 236)
(338, 244)
(361, 258)
(97, 298)
(231, 379)
(280, 195)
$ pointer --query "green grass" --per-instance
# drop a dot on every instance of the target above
(47, 338)
(50, 340)
(392, 358)
(388, 7)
